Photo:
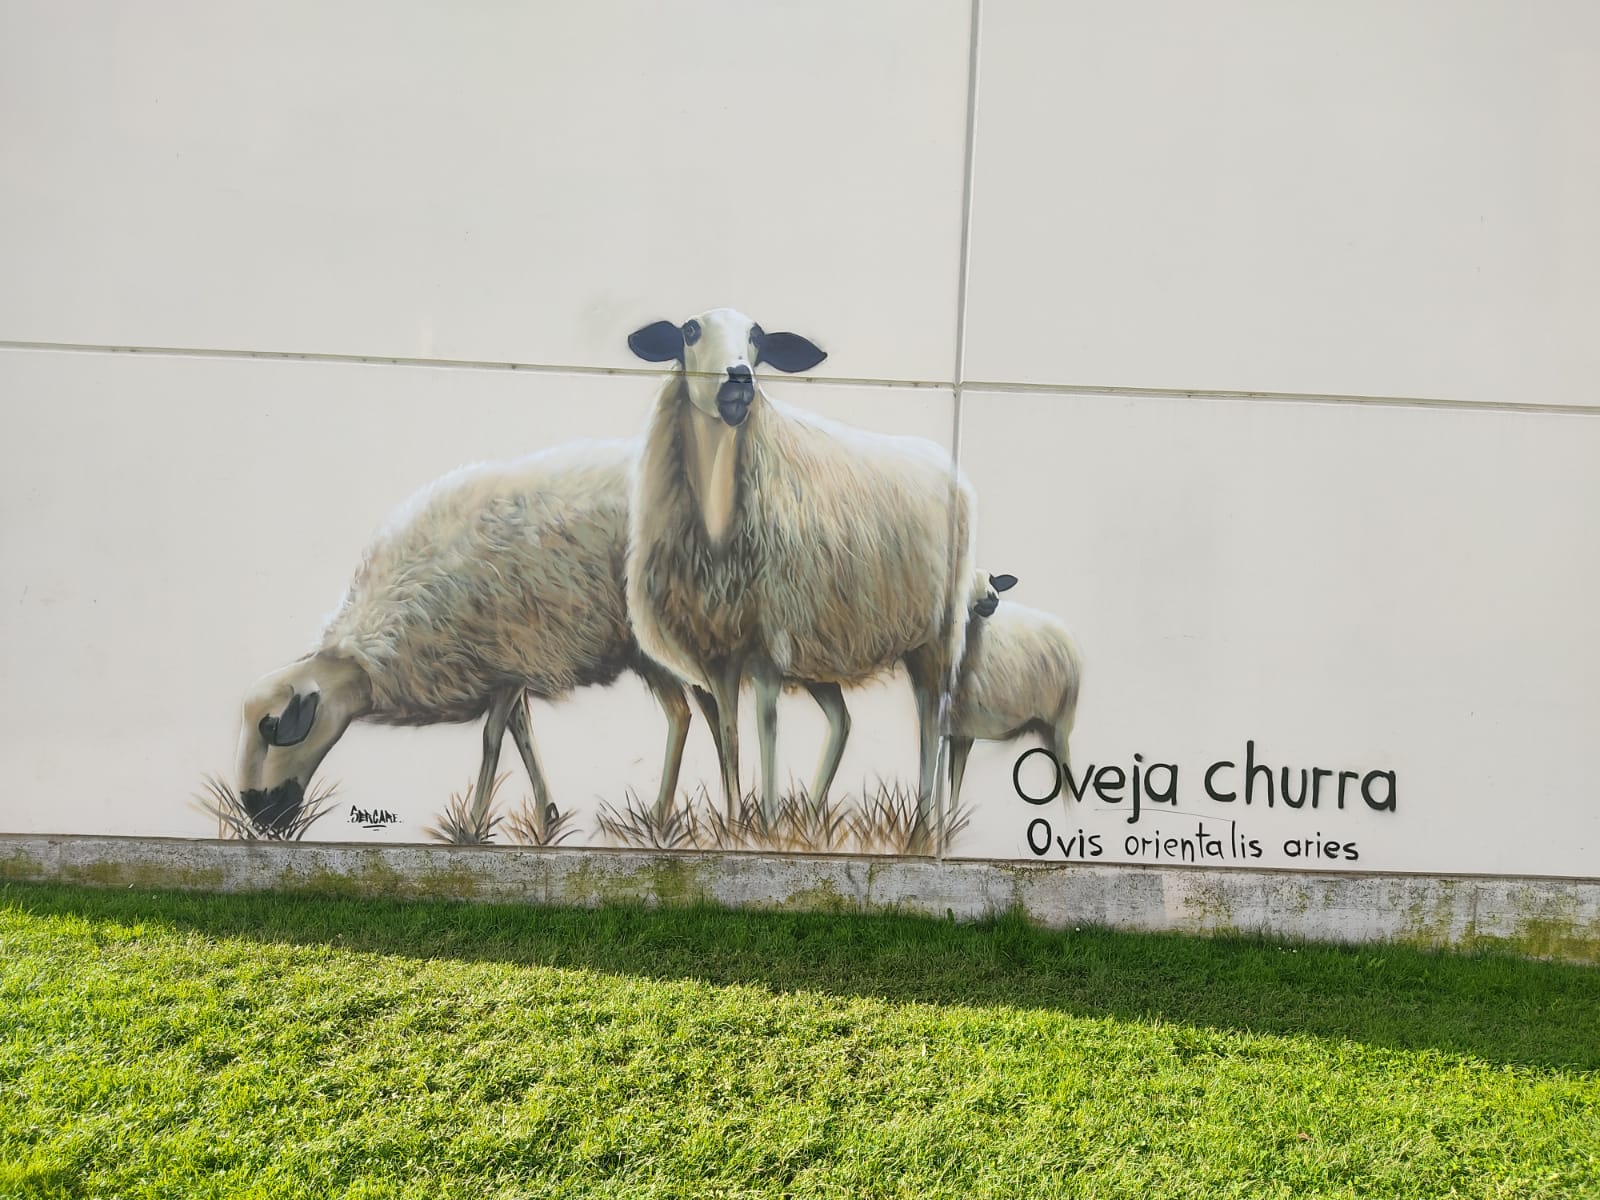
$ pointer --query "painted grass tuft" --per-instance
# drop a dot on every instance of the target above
(458, 825)
(531, 825)
(220, 801)
(889, 823)
(884, 821)
(158, 1045)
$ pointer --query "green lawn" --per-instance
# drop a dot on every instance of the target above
(156, 1045)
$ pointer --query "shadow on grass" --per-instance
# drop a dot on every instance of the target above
(1492, 1007)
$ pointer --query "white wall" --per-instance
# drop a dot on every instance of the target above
(1339, 206)
(1368, 198)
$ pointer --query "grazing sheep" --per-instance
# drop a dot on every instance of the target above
(774, 542)
(492, 584)
(1022, 672)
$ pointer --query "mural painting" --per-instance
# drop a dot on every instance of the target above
(741, 541)
(1238, 458)
(741, 545)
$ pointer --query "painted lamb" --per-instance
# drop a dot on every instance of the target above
(771, 542)
(1021, 673)
(495, 583)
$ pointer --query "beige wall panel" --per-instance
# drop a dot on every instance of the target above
(1351, 587)
(1370, 198)
(498, 182)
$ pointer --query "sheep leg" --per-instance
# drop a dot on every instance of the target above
(768, 683)
(830, 699)
(708, 707)
(960, 747)
(724, 680)
(670, 696)
(494, 733)
(925, 687)
(928, 744)
(522, 734)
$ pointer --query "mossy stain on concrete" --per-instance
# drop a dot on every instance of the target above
(675, 882)
(1547, 926)
(454, 882)
(1431, 918)
(145, 875)
(370, 876)
(823, 896)
(19, 866)
(1209, 906)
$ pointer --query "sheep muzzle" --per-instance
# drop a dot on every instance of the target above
(274, 808)
(734, 397)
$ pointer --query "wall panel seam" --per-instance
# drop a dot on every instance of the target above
(1016, 387)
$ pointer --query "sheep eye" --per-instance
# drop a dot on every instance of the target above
(691, 332)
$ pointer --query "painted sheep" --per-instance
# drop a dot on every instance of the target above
(770, 542)
(495, 583)
(1021, 673)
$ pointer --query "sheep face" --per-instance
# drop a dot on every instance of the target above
(290, 720)
(719, 352)
(986, 589)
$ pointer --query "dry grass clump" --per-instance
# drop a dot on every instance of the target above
(696, 822)
(275, 820)
(681, 825)
(528, 825)
(457, 826)
(882, 822)
(888, 822)
(532, 826)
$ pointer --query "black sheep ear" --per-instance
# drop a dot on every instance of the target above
(659, 342)
(291, 728)
(789, 352)
(1002, 583)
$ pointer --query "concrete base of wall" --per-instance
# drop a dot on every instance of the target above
(1547, 918)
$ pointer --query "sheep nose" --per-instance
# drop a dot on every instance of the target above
(739, 374)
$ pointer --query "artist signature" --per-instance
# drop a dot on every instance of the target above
(372, 818)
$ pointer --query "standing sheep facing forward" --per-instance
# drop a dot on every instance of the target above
(770, 541)
(493, 583)
(1021, 673)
